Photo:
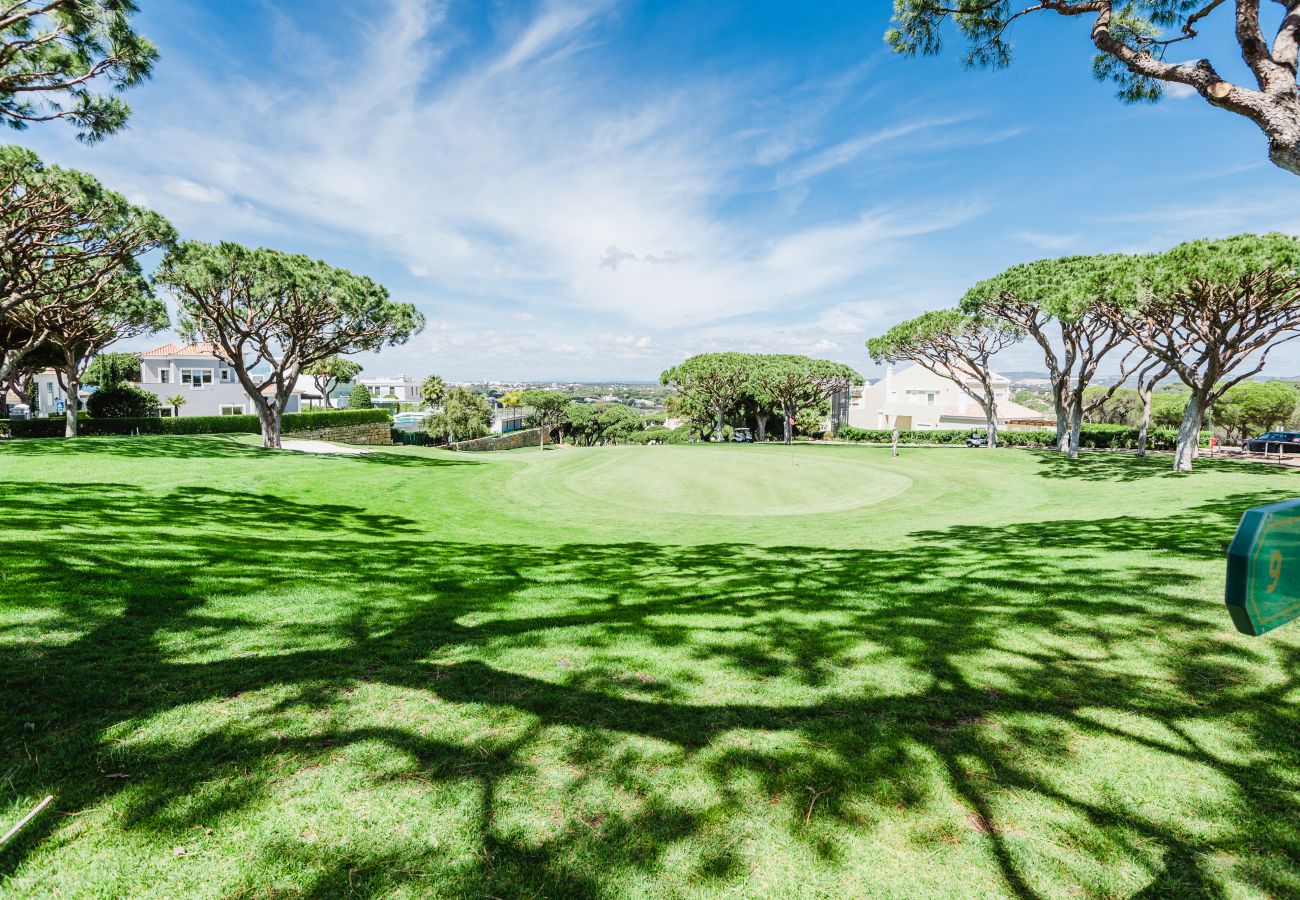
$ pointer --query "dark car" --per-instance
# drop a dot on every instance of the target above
(977, 439)
(742, 436)
(1274, 442)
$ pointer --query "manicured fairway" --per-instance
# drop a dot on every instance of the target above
(662, 671)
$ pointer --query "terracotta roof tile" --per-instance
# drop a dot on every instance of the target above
(174, 349)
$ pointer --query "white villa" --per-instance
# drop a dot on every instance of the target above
(917, 399)
(382, 390)
(50, 393)
(207, 382)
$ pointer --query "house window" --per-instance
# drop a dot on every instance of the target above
(196, 378)
(164, 376)
(225, 375)
(232, 410)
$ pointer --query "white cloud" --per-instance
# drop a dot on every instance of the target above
(192, 191)
(1044, 240)
(521, 172)
(548, 33)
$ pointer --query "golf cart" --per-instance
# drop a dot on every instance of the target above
(977, 438)
(742, 436)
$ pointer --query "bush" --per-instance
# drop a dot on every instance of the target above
(359, 397)
(36, 428)
(1094, 437)
(248, 424)
(123, 401)
(883, 436)
(412, 438)
(656, 435)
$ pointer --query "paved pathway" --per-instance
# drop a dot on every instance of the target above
(322, 447)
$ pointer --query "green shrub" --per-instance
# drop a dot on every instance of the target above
(413, 438)
(36, 428)
(359, 397)
(1093, 437)
(333, 418)
(123, 401)
(657, 435)
(883, 436)
(247, 424)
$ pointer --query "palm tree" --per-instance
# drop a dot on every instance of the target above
(175, 401)
(434, 390)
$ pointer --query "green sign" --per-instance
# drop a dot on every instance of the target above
(1264, 568)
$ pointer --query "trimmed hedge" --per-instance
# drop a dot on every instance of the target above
(246, 424)
(658, 435)
(1095, 437)
(414, 438)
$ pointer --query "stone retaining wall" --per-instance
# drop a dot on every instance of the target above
(512, 441)
(371, 434)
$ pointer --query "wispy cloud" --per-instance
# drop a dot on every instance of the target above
(521, 181)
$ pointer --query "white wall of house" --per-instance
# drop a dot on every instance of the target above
(46, 385)
(208, 384)
(916, 398)
(406, 390)
(506, 419)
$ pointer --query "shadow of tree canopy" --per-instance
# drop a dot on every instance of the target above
(596, 719)
(1121, 465)
(208, 446)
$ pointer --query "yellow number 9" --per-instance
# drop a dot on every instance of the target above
(1274, 570)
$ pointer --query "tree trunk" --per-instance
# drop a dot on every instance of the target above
(762, 426)
(786, 416)
(1076, 427)
(1145, 424)
(1062, 417)
(1286, 153)
(990, 407)
(268, 414)
(70, 410)
(717, 432)
(1189, 433)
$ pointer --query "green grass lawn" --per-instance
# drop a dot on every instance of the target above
(662, 671)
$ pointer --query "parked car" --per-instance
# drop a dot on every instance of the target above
(1274, 442)
(742, 436)
(977, 439)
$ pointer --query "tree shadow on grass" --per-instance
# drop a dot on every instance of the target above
(1123, 466)
(211, 446)
(814, 694)
(410, 460)
(208, 446)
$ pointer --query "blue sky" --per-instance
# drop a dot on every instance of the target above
(597, 189)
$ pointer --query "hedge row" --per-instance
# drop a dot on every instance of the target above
(1097, 437)
(414, 439)
(247, 424)
(660, 435)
